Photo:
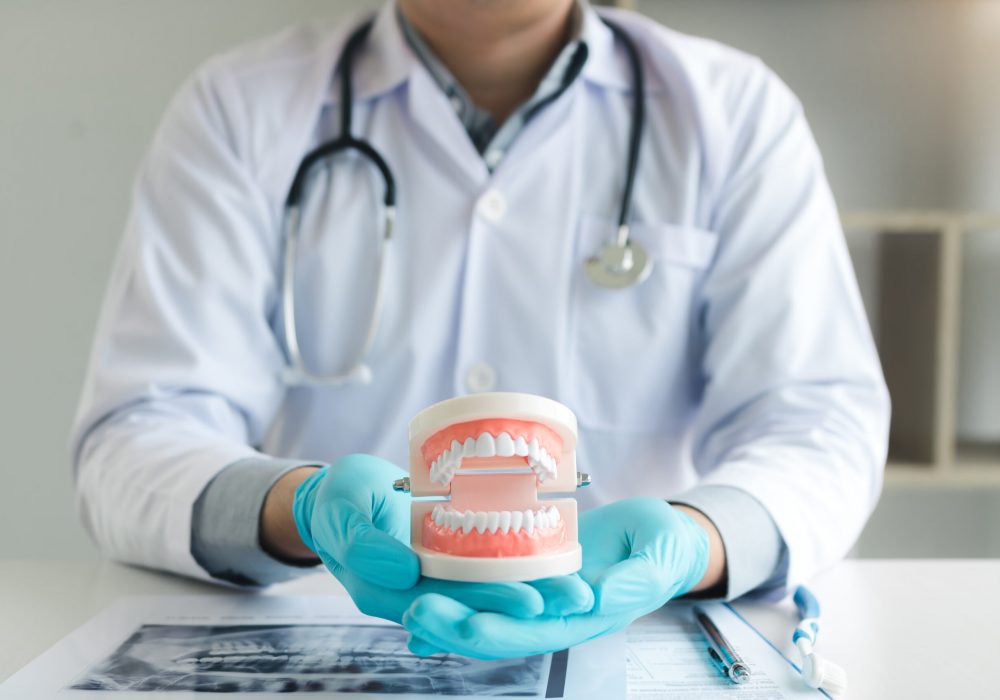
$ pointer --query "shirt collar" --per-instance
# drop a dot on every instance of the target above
(479, 124)
(443, 77)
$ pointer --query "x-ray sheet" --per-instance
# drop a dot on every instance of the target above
(264, 646)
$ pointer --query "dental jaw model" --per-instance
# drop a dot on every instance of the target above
(484, 459)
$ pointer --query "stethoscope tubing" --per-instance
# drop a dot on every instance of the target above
(612, 275)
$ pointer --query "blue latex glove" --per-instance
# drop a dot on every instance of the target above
(358, 525)
(637, 554)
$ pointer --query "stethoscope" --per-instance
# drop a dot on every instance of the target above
(620, 263)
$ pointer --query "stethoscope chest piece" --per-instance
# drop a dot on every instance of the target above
(617, 266)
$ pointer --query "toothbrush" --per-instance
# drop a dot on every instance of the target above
(817, 672)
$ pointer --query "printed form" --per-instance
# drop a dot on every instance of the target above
(667, 657)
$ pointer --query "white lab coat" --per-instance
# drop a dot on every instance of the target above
(744, 360)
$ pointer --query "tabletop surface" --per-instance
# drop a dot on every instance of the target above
(901, 628)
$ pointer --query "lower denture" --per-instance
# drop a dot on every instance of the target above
(473, 543)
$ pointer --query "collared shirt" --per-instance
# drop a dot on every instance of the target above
(493, 140)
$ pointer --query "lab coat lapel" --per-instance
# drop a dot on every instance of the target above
(434, 116)
(540, 180)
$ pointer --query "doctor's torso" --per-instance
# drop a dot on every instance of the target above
(485, 286)
(743, 361)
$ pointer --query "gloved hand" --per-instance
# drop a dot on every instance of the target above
(637, 554)
(358, 525)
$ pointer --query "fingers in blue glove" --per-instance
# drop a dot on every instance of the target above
(639, 553)
(447, 624)
(634, 585)
(349, 513)
(419, 647)
(565, 595)
(517, 600)
(349, 537)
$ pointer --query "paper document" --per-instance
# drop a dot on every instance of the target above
(667, 658)
(268, 646)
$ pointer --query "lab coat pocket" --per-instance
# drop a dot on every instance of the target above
(633, 361)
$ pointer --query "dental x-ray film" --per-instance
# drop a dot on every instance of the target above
(268, 646)
(289, 658)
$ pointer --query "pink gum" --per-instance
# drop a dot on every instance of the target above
(485, 491)
(491, 544)
(442, 439)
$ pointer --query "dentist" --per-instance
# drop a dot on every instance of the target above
(730, 402)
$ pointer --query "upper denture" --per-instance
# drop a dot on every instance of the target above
(539, 445)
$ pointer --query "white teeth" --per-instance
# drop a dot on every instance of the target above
(503, 521)
(435, 474)
(447, 463)
(443, 468)
(520, 447)
(486, 446)
(543, 464)
(505, 445)
(515, 520)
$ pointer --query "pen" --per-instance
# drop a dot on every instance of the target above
(720, 651)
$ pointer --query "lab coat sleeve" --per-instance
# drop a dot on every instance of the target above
(795, 409)
(225, 525)
(184, 373)
(756, 555)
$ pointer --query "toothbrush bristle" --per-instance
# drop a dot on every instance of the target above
(832, 678)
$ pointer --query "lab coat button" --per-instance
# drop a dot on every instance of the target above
(480, 377)
(492, 205)
(493, 157)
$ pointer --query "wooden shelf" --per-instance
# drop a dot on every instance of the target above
(977, 456)
(903, 221)
(914, 302)
(918, 475)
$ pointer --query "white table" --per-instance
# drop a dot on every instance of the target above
(902, 629)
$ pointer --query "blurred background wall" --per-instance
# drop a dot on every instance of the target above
(902, 95)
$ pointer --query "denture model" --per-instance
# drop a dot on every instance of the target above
(477, 466)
